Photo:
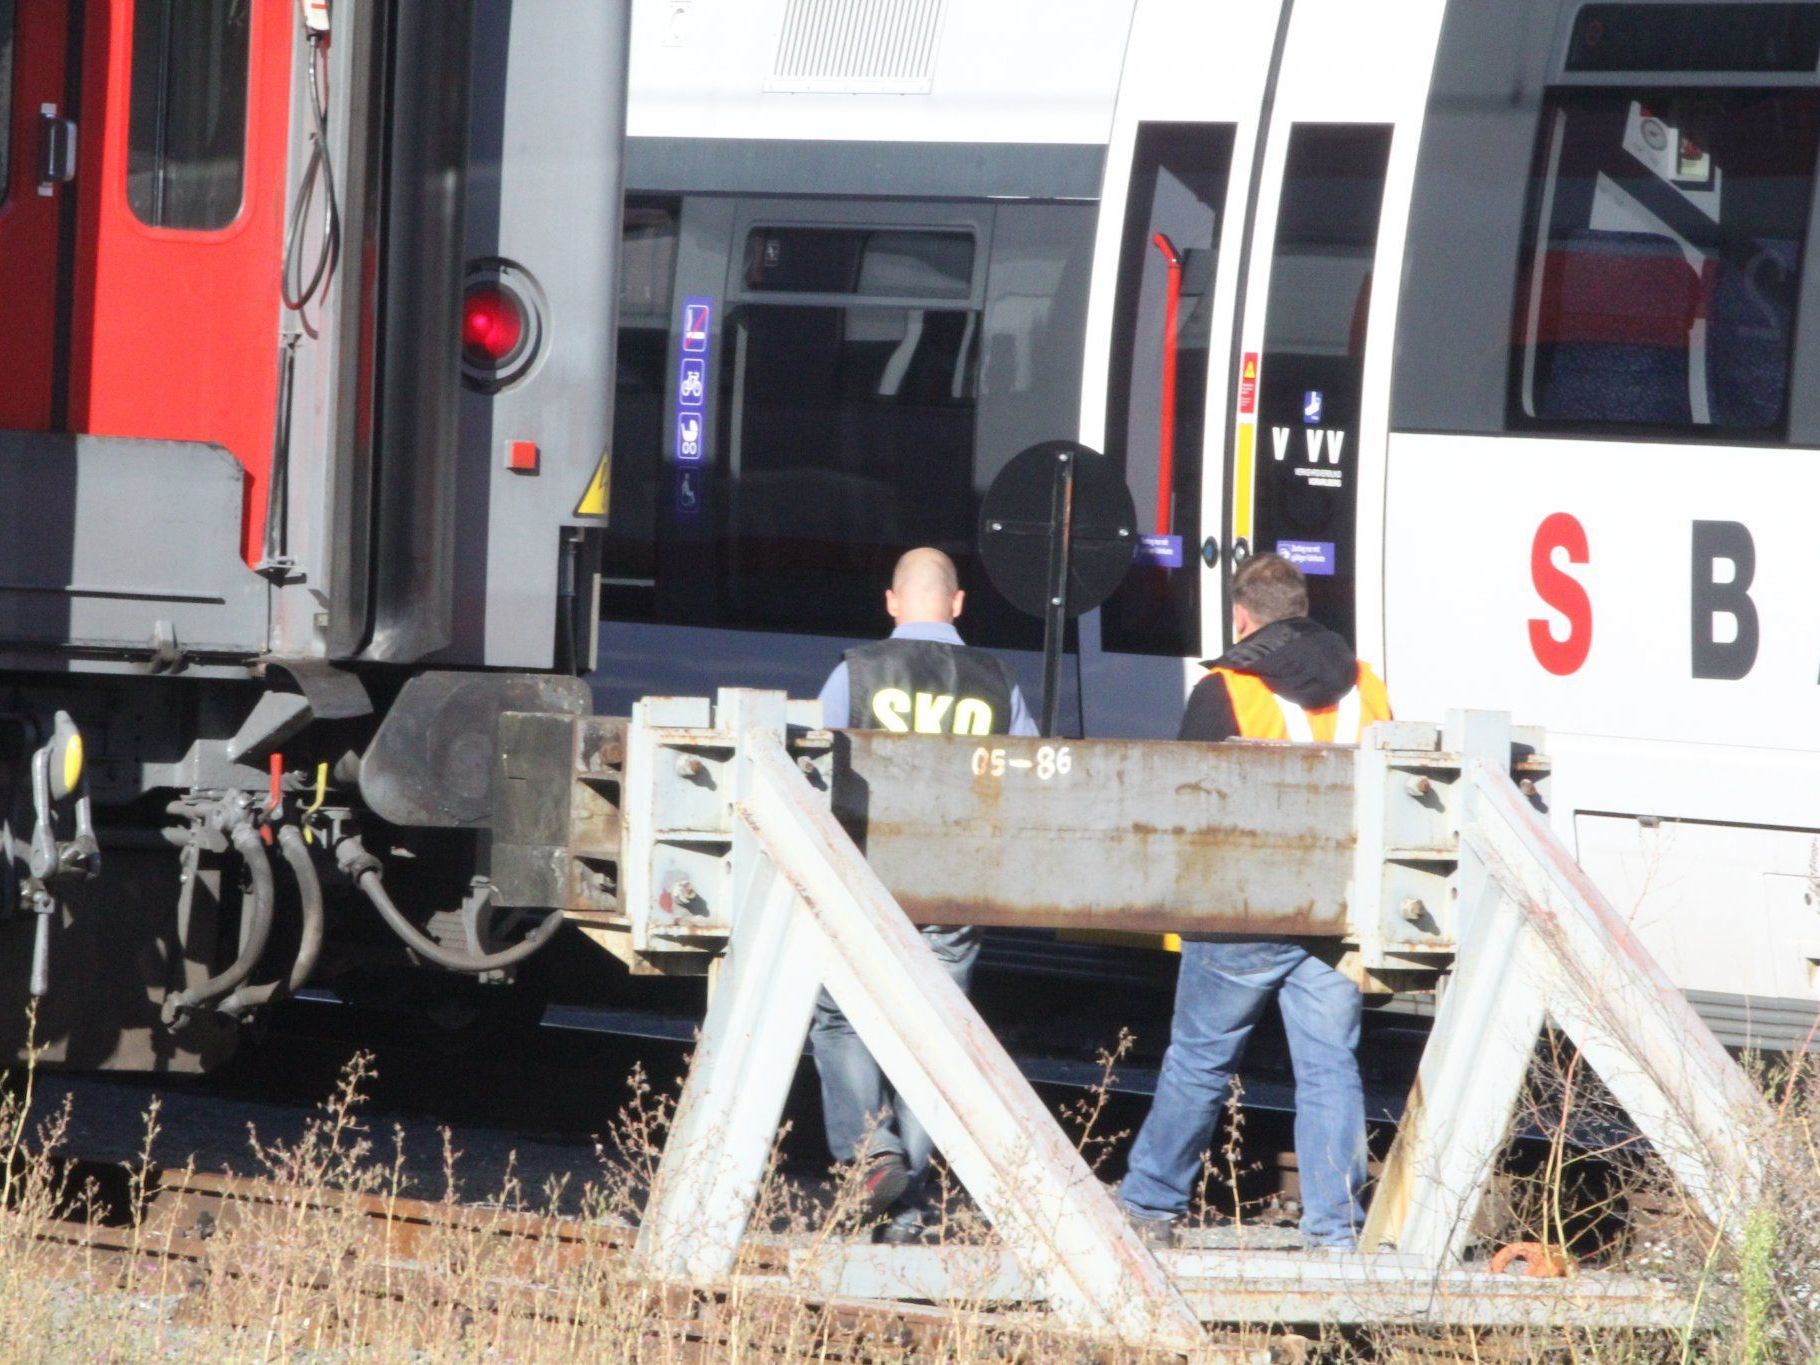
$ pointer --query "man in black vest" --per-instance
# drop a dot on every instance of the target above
(923, 680)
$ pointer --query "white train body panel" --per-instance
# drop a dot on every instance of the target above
(1029, 72)
(1346, 358)
(1724, 774)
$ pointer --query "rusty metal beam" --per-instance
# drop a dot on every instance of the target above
(1247, 838)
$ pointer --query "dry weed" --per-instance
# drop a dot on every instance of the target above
(303, 1279)
(306, 1278)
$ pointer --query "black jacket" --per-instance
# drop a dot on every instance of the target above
(1299, 659)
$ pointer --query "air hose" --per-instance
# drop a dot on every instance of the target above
(246, 841)
(309, 946)
(364, 869)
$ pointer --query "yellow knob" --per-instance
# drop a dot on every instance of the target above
(72, 762)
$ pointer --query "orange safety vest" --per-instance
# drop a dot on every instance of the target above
(1262, 714)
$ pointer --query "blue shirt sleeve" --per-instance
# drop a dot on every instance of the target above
(836, 698)
(1022, 722)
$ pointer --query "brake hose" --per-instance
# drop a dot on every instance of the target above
(363, 867)
(248, 844)
(309, 945)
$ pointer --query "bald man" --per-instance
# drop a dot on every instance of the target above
(924, 679)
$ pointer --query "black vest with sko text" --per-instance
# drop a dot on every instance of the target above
(927, 687)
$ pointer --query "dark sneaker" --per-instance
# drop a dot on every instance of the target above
(886, 1179)
(906, 1229)
(1156, 1233)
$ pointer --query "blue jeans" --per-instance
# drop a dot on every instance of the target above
(1219, 998)
(858, 1105)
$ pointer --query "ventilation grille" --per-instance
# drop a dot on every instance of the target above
(858, 47)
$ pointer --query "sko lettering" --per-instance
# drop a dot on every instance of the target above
(972, 717)
(927, 713)
(891, 709)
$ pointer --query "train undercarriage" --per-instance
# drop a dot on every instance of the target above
(181, 854)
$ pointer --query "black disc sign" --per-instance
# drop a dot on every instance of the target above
(1019, 522)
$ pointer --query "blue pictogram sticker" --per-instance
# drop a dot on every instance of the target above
(690, 446)
(692, 385)
(1163, 551)
(1311, 408)
(689, 495)
(1310, 556)
(698, 321)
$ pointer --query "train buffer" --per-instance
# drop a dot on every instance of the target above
(807, 855)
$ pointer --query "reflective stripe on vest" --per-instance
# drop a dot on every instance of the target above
(1346, 719)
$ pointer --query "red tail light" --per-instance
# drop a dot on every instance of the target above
(502, 325)
(492, 326)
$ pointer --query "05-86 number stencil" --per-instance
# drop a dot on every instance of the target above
(1049, 761)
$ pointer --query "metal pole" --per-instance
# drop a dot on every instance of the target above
(1061, 564)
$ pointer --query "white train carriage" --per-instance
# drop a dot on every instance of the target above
(1490, 316)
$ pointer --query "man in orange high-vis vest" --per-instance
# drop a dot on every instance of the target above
(1288, 677)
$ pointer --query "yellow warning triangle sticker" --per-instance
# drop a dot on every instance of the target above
(594, 502)
(1251, 369)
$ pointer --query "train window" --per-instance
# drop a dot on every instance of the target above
(647, 274)
(891, 263)
(847, 437)
(6, 96)
(1305, 494)
(186, 153)
(1708, 37)
(1157, 390)
(1662, 267)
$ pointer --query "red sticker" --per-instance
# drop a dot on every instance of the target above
(1248, 385)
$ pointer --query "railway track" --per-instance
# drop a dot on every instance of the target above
(193, 1239)
(213, 1246)
(177, 1234)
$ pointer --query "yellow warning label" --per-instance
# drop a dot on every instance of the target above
(1251, 367)
(1241, 482)
(594, 502)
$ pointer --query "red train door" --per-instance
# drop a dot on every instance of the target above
(37, 152)
(174, 301)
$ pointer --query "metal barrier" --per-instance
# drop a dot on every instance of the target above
(810, 855)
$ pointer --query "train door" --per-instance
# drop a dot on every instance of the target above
(36, 151)
(1310, 416)
(1164, 315)
(175, 305)
(1156, 385)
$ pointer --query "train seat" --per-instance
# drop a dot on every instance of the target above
(1619, 307)
(1749, 331)
(1620, 312)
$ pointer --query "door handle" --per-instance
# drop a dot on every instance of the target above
(56, 150)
